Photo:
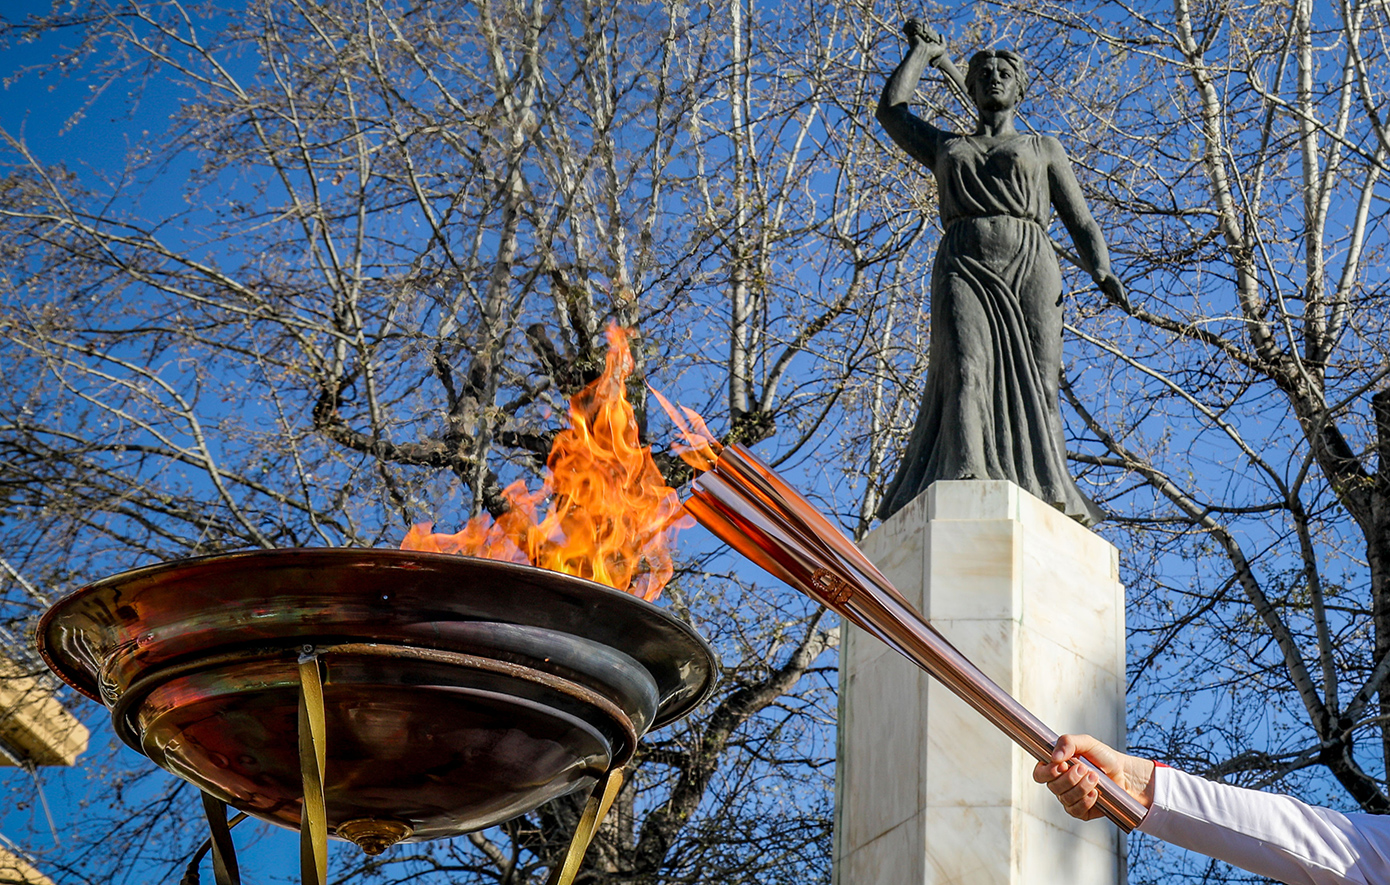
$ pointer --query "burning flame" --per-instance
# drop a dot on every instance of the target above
(611, 517)
(700, 449)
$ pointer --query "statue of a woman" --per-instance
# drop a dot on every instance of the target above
(990, 408)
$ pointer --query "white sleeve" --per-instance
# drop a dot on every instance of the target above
(1269, 834)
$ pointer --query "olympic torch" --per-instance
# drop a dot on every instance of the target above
(753, 510)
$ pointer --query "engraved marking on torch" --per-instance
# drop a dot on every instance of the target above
(837, 589)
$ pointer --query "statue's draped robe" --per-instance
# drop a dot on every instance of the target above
(990, 406)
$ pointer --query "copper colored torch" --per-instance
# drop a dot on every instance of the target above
(749, 507)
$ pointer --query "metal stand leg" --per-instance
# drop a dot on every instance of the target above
(224, 866)
(313, 820)
(595, 810)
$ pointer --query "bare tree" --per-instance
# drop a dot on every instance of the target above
(353, 283)
(400, 229)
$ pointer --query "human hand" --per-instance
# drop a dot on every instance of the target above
(1075, 785)
(1113, 289)
(919, 33)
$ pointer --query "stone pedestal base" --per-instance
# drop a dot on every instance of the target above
(929, 793)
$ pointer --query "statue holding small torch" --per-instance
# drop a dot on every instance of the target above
(990, 408)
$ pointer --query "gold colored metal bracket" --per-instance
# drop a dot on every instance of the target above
(595, 810)
(313, 820)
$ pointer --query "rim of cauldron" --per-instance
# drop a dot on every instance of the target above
(526, 577)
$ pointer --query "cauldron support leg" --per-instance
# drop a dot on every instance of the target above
(595, 810)
(313, 819)
(219, 842)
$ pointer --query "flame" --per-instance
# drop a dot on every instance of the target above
(611, 517)
(700, 449)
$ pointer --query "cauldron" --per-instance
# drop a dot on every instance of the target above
(457, 692)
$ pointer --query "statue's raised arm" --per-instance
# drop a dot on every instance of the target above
(913, 134)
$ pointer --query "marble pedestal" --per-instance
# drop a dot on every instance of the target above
(928, 792)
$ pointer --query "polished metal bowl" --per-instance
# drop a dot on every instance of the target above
(459, 692)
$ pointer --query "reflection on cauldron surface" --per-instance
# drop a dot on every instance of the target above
(447, 750)
(404, 746)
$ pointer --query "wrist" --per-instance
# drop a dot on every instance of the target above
(1139, 779)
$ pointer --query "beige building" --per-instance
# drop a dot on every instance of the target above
(34, 727)
(34, 730)
(15, 870)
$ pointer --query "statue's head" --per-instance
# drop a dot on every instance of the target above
(996, 79)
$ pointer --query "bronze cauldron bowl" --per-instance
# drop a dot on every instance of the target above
(458, 692)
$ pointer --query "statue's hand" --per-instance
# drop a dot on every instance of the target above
(920, 33)
(1113, 288)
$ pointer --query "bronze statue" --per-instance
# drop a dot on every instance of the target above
(990, 406)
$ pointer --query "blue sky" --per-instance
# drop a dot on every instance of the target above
(41, 109)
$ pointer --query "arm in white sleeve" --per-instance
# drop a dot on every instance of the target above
(1269, 834)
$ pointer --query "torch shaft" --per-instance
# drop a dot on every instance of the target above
(749, 507)
(906, 632)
